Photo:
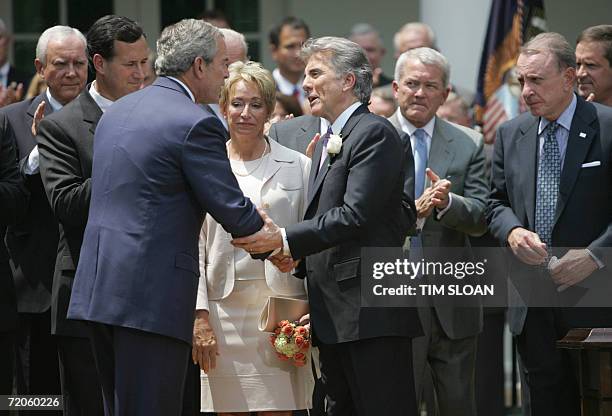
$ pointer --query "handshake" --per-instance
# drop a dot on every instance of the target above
(267, 243)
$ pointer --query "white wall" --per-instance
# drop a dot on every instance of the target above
(460, 28)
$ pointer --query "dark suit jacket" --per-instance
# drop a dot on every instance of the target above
(32, 242)
(65, 144)
(584, 208)
(155, 175)
(13, 198)
(354, 202)
(297, 132)
(457, 154)
(18, 76)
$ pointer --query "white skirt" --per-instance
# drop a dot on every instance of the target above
(249, 377)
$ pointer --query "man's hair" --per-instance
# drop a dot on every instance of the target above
(210, 15)
(426, 56)
(554, 44)
(181, 43)
(3, 29)
(344, 57)
(361, 29)
(601, 34)
(232, 34)
(106, 30)
(291, 21)
(412, 27)
(56, 33)
(252, 72)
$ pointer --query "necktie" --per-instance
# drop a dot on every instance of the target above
(420, 161)
(296, 93)
(325, 138)
(549, 173)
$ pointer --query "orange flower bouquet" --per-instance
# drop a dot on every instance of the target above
(291, 342)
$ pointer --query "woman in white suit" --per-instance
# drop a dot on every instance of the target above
(241, 372)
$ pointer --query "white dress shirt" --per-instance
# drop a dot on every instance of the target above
(287, 87)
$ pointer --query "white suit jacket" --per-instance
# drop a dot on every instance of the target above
(283, 197)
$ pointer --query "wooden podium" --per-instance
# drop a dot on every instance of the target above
(593, 348)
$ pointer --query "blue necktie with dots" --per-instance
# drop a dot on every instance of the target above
(549, 174)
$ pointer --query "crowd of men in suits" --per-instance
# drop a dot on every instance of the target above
(74, 218)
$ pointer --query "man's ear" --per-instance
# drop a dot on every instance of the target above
(98, 63)
(349, 82)
(273, 50)
(569, 78)
(198, 67)
(395, 88)
(40, 68)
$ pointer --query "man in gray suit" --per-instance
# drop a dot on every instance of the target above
(297, 133)
(450, 192)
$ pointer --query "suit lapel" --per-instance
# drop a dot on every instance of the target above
(91, 110)
(441, 154)
(307, 132)
(274, 163)
(36, 101)
(346, 131)
(580, 138)
(316, 176)
(527, 145)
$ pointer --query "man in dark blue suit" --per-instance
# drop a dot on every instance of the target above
(550, 197)
(159, 166)
(355, 200)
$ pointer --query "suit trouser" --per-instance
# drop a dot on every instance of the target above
(490, 366)
(7, 359)
(79, 379)
(37, 368)
(368, 377)
(141, 373)
(452, 363)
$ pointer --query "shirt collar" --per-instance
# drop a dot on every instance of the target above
(217, 110)
(185, 87)
(55, 105)
(102, 101)
(284, 85)
(565, 119)
(409, 128)
(4, 70)
(338, 125)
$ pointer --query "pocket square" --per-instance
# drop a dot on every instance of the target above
(591, 164)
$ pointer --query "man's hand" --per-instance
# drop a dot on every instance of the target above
(573, 268)
(204, 351)
(591, 97)
(39, 114)
(441, 189)
(424, 203)
(269, 238)
(283, 263)
(527, 247)
(10, 94)
(311, 146)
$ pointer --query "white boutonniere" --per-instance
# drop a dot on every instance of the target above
(334, 144)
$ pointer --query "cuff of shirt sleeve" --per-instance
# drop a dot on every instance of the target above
(440, 213)
(420, 223)
(31, 168)
(286, 249)
(594, 257)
